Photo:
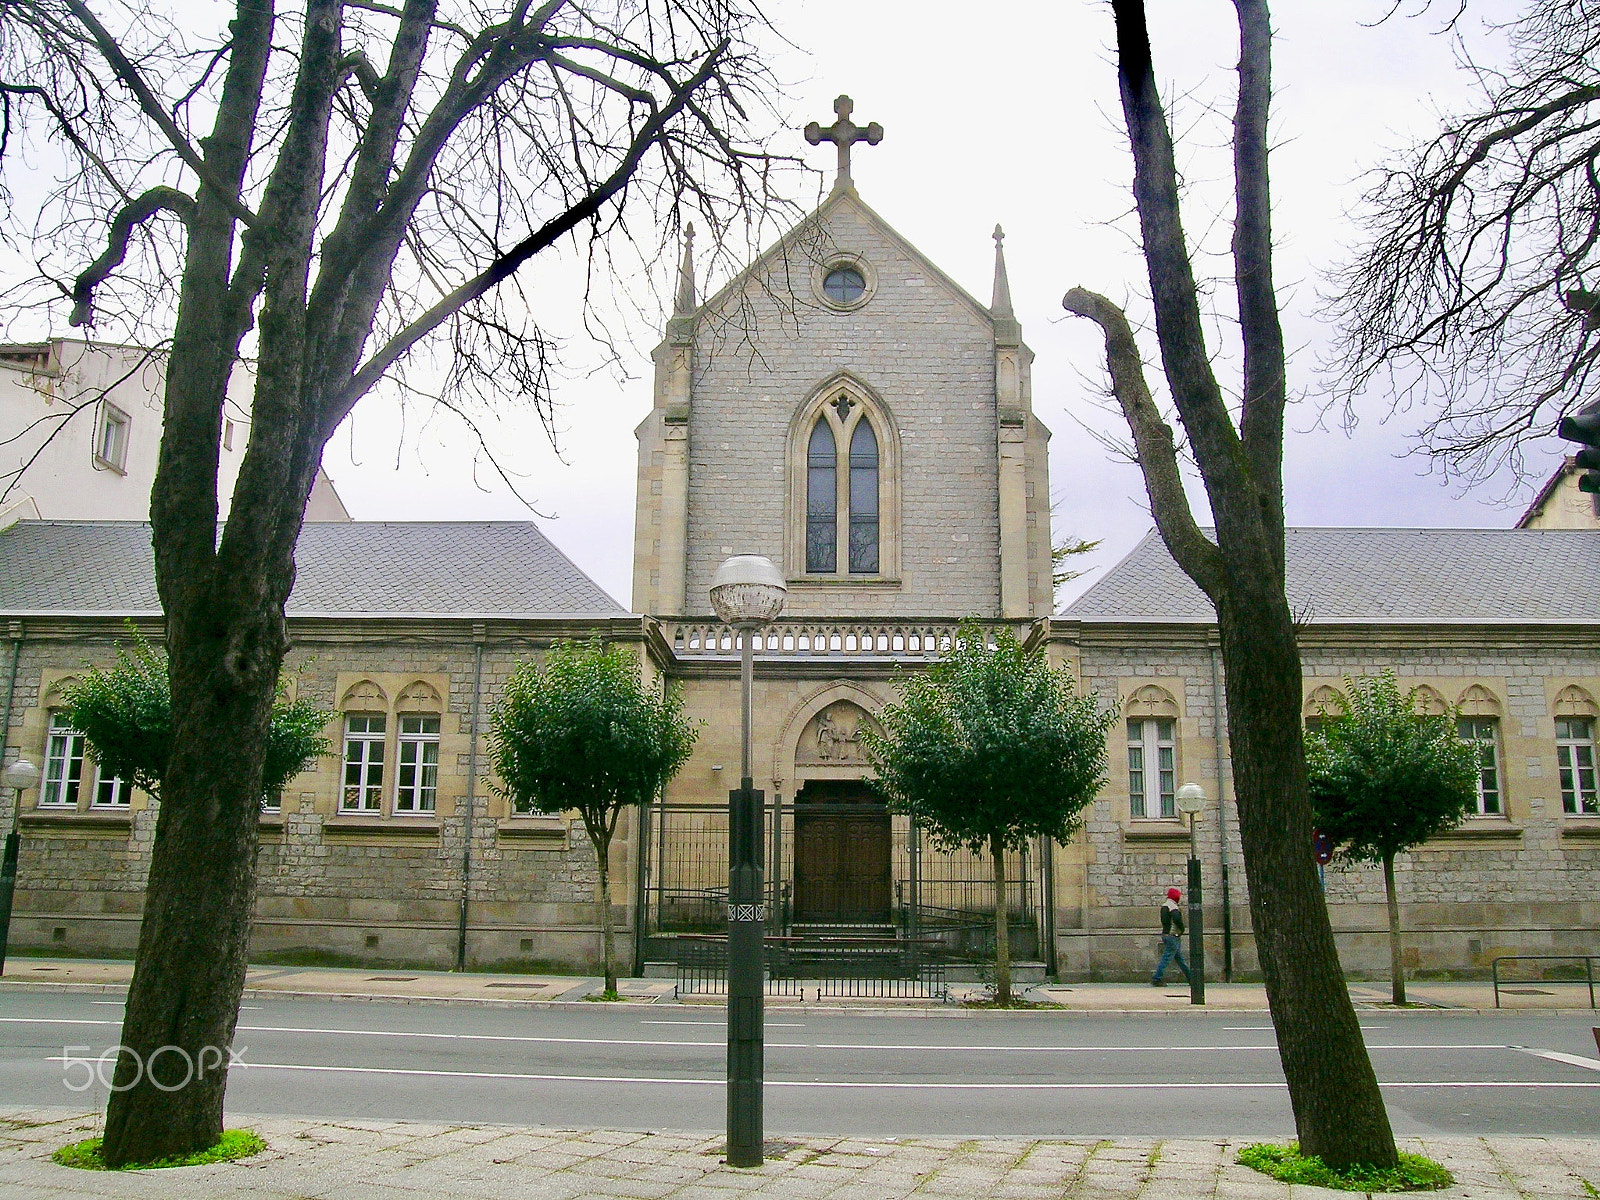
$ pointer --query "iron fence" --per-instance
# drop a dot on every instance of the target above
(945, 894)
(703, 968)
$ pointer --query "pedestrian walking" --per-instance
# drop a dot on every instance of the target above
(1171, 938)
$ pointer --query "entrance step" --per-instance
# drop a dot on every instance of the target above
(865, 929)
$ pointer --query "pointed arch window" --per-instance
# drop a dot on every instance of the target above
(843, 522)
(822, 500)
(863, 500)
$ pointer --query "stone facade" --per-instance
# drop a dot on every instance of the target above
(375, 887)
(947, 382)
(1522, 881)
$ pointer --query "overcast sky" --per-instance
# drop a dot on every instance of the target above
(1007, 113)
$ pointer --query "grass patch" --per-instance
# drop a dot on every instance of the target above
(1286, 1163)
(235, 1143)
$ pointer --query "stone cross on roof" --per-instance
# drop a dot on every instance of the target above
(844, 133)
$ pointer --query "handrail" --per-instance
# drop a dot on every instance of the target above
(1588, 961)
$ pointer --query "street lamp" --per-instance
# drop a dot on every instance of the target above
(19, 777)
(1191, 799)
(747, 591)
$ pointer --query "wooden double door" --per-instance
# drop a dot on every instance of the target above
(841, 855)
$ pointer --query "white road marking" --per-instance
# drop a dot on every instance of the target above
(634, 1080)
(891, 1046)
(723, 1024)
(1574, 1060)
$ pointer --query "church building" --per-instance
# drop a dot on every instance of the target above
(847, 410)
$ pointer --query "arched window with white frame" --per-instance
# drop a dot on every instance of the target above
(844, 498)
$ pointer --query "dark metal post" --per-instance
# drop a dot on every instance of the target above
(746, 949)
(8, 883)
(1197, 946)
(1222, 825)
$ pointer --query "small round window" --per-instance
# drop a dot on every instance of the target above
(844, 285)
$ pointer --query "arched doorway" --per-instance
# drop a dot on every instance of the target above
(842, 827)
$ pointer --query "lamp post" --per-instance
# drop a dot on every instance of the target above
(747, 591)
(19, 777)
(1191, 799)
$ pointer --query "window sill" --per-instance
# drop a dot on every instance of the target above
(1582, 828)
(83, 820)
(342, 826)
(105, 464)
(1481, 829)
(1150, 831)
(534, 828)
(824, 583)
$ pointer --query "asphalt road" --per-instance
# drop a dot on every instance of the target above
(660, 1067)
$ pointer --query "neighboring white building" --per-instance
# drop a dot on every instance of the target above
(80, 433)
(1560, 505)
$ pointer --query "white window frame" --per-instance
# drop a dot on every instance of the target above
(420, 796)
(368, 781)
(121, 793)
(1575, 766)
(1149, 743)
(111, 437)
(65, 751)
(1485, 735)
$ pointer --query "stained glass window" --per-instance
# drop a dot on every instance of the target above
(822, 501)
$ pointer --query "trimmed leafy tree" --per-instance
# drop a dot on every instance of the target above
(1384, 778)
(583, 731)
(987, 749)
(125, 713)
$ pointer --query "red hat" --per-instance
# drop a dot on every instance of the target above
(1174, 894)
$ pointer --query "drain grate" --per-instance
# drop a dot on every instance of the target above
(391, 978)
(517, 985)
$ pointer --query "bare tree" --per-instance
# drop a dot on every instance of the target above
(335, 187)
(1474, 291)
(1339, 1112)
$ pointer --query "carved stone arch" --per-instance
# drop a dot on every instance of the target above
(1428, 702)
(419, 696)
(786, 750)
(1152, 701)
(843, 401)
(56, 696)
(1574, 701)
(1478, 701)
(1324, 701)
(364, 696)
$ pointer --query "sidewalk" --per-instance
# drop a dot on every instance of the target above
(368, 1160)
(418, 986)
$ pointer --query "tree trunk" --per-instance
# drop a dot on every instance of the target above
(1397, 969)
(1339, 1110)
(1002, 925)
(183, 1001)
(602, 855)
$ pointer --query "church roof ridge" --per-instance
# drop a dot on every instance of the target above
(835, 198)
(1370, 575)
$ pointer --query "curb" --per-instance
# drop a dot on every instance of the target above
(920, 1010)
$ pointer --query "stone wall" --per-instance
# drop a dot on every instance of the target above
(376, 888)
(925, 351)
(1525, 881)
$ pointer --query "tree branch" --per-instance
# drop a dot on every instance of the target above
(370, 372)
(1152, 439)
(1179, 329)
(152, 108)
(1265, 385)
(140, 210)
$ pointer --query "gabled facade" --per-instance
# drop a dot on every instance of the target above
(847, 410)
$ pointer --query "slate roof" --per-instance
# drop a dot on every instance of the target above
(1382, 576)
(384, 568)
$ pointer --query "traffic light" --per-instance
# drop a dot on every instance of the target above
(1584, 426)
